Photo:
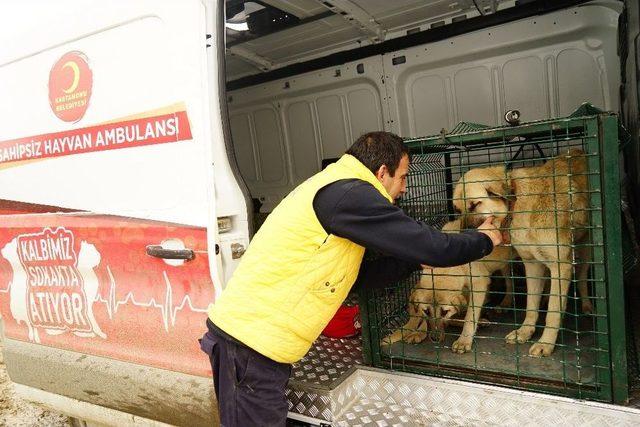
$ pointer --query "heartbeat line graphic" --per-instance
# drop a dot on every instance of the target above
(166, 307)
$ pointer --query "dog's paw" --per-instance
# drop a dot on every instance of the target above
(462, 345)
(386, 341)
(416, 337)
(390, 339)
(520, 335)
(541, 349)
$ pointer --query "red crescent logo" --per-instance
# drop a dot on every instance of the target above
(70, 84)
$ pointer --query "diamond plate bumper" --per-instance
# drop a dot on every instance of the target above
(392, 399)
(330, 386)
(372, 397)
(311, 389)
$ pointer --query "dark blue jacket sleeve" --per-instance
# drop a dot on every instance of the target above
(383, 271)
(355, 210)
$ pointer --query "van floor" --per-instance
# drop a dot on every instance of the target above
(573, 361)
(579, 361)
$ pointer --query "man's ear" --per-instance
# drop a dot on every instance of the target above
(381, 172)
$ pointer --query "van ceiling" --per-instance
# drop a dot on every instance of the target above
(271, 34)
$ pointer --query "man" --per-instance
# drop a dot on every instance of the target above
(301, 265)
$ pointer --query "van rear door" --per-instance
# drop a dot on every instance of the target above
(106, 192)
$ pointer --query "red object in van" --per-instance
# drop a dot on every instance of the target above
(345, 323)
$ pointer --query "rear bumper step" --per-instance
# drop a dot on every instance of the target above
(371, 396)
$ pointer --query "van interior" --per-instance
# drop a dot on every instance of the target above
(305, 78)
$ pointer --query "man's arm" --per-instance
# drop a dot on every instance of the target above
(355, 210)
(384, 271)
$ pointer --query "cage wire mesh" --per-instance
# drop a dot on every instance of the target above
(535, 313)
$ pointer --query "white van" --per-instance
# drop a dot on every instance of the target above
(141, 139)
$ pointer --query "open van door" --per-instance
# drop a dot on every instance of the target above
(107, 195)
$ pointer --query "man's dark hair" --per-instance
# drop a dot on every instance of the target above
(375, 149)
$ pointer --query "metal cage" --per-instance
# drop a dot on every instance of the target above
(589, 357)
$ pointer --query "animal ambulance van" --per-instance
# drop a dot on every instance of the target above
(141, 140)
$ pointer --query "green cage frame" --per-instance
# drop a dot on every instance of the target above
(597, 135)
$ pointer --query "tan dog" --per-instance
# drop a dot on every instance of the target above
(548, 210)
(445, 292)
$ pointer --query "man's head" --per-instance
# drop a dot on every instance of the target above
(386, 156)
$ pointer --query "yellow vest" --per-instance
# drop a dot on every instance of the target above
(294, 276)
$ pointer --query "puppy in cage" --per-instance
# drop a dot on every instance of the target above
(543, 211)
(444, 294)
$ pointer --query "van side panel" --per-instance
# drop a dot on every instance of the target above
(109, 111)
(106, 147)
(166, 396)
(84, 283)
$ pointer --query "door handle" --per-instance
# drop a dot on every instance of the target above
(160, 252)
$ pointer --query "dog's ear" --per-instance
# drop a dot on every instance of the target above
(498, 189)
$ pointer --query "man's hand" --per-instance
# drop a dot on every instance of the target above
(491, 230)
